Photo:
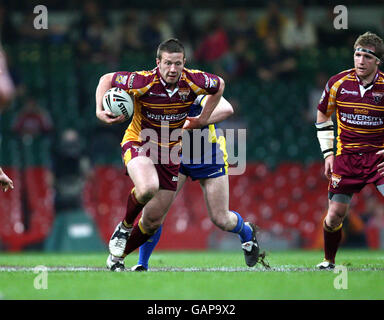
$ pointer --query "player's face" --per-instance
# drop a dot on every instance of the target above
(366, 64)
(170, 66)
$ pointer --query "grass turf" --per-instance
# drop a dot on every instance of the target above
(208, 275)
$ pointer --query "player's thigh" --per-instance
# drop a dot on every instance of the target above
(180, 182)
(216, 194)
(143, 174)
(156, 209)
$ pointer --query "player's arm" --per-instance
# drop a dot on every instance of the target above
(222, 111)
(105, 83)
(5, 181)
(324, 125)
(325, 135)
(212, 101)
(380, 166)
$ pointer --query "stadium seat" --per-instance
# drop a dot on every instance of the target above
(97, 202)
(308, 232)
(11, 212)
(15, 233)
(41, 203)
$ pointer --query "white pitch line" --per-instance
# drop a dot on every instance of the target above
(53, 269)
(180, 269)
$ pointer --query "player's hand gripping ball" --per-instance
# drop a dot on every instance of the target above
(119, 102)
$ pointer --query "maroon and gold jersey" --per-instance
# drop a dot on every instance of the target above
(157, 108)
(359, 111)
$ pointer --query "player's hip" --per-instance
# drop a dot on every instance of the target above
(167, 170)
(351, 172)
(159, 155)
(203, 171)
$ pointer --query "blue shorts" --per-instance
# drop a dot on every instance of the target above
(203, 171)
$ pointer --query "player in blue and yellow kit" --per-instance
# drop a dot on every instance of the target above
(210, 167)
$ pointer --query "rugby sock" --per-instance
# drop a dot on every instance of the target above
(133, 209)
(244, 231)
(147, 248)
(332, 238)
(137, 238)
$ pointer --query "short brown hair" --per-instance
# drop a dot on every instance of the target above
(171, 45)
(370, 39)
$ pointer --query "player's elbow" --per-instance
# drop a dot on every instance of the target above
(222, 85)
(322, 117)
(226, 107)
(106, 79)
(230, 110)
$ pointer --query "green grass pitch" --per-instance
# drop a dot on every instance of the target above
(193, 275)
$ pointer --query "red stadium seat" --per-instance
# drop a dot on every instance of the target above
(41, 202)
(308, 233)
(104, 197)
(294, 172)
(292, 196)
(11, 214)
(37, 186)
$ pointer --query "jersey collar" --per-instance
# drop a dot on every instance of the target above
(369, 84)
(167, 86)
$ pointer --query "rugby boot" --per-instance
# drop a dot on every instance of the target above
(325, 265)
(118, 240)
(115, 264)
(251, 248)
(139, 268)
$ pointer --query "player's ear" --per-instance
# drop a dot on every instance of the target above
(157, 61)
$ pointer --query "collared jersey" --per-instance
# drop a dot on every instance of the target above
(157, 108)
(210, 148)
(359, 111)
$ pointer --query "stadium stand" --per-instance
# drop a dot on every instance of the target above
(282, 188)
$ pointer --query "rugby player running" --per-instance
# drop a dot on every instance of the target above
(210, 168)
(166, 92)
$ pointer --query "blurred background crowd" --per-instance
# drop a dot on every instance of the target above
(275, 57)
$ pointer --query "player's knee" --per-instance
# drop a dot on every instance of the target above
(151, 225)
(147, 192)
(221, 221)
(335, 216)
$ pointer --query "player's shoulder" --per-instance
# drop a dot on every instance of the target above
(201, 78)
(135, 79)
(199, 99)
(345, 74)
(381, 76)
(337, 79)
(197, 106)
(191, 72)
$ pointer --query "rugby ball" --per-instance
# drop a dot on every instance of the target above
(119, 102)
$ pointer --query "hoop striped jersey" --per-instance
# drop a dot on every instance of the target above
(359, 111)
(157, 108)
(212, 151)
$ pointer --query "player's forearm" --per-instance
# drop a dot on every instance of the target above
(102, 87)
(211, 103)
(325, 133)
(321, 117)
(222, 111)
